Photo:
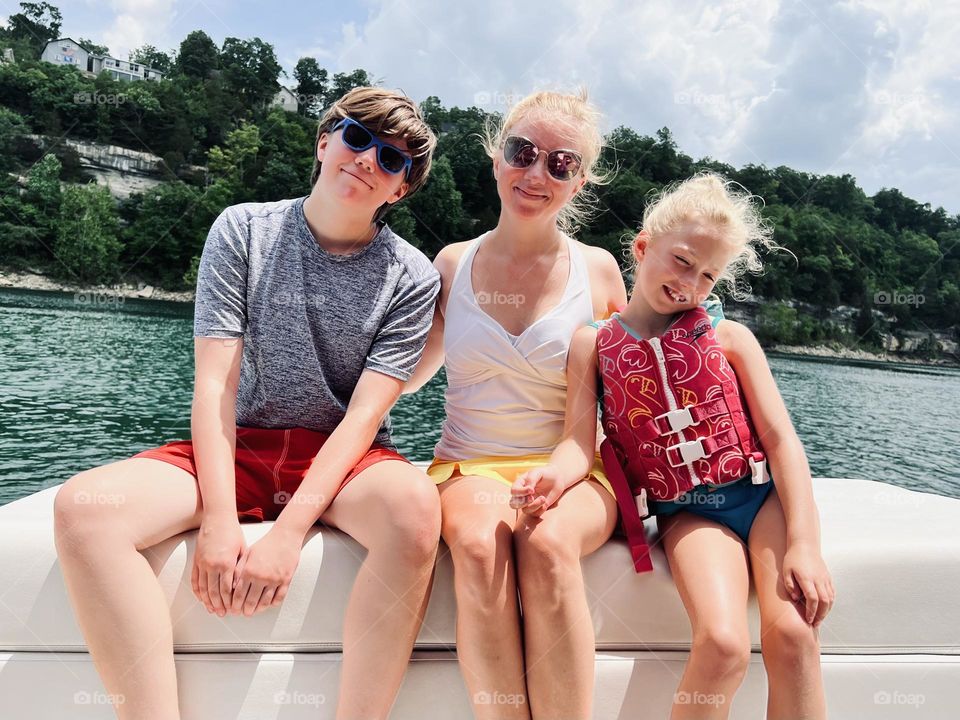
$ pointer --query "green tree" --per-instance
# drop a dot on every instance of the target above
(345, 82)
(235, 163)
(198, 56)
(250, 71)
(312, 86)
(152, 57)
(170, 223)
(93, 47)
(403, 223)
(35, 25)
(42, 199)
(12, 128)
(285, 156)
(87, 244)
(438, 209)
(776, 323)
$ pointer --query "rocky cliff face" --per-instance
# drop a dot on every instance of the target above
(900, 341)
(122, 170)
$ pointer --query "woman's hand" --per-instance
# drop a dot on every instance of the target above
(535, 491)
(220, 544)
(265, 570)
(808, 582)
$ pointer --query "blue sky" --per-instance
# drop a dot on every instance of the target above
(867, 87)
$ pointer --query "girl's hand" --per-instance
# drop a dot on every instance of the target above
(265, 570)
(808, 582)
(220, 543)
(535, 491)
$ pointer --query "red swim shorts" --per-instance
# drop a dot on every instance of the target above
(270, 465)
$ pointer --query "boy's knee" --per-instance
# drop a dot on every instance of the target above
(79, 508)
(415, 519)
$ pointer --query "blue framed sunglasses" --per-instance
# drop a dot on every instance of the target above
(390, 158)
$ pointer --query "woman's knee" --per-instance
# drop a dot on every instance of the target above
(482, 549)
(724, 650)
(545, 553)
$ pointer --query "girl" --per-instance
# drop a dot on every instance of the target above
(693, 418)
(510, 302)
(310, 316)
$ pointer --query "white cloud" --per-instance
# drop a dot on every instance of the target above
(867, 87)
(138, 22)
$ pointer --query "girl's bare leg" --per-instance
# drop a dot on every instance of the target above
(709, 566)
(791, 647)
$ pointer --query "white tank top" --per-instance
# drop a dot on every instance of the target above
(506, 394)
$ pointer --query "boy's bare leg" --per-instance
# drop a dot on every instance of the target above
(393, 510)
(103, 517)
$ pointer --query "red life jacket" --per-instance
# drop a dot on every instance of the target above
(674, 418)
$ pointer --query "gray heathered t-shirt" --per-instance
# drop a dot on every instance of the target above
(311, 321)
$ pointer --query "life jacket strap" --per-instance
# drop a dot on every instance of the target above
(629, 508)
(684, 453)
(673, 421)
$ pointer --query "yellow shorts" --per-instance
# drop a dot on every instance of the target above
(504, 469)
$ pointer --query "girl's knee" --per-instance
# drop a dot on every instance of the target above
(788, 642)
(726, 652)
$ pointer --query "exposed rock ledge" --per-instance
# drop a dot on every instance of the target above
(91, 294)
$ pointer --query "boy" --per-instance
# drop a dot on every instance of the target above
(310, 316)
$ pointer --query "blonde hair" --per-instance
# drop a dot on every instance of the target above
(578, 115)
(727, 206)
(388, 114)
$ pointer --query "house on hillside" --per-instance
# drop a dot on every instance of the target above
(66, 51)
(286, 99)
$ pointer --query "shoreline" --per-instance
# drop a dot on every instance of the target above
(27, 280)
(826, 352)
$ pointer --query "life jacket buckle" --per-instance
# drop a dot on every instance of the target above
(690, 451)
(641, 499)
(679, 420)
(758, 471)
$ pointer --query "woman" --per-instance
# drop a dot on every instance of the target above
(510, 302)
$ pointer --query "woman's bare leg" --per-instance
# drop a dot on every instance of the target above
(558, 628)
(393, 510)
(791, 647)
(102, 518)
(478, 526)
(709, 566)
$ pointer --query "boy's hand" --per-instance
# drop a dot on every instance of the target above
(220, 543)
(535, 491)
(265, 570)
(808, 582)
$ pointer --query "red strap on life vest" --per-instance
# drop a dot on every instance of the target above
(632, 522)
(709, 444)
(658, 427)
(740, 422)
